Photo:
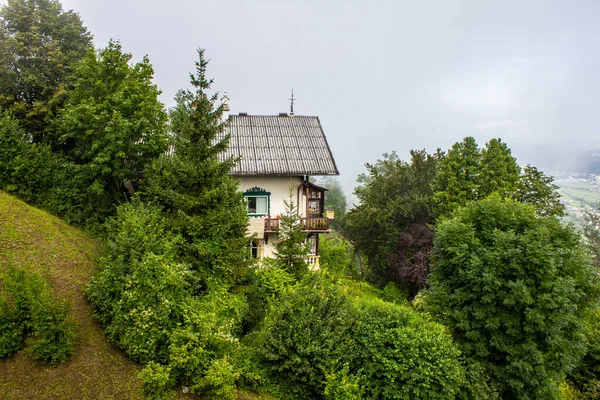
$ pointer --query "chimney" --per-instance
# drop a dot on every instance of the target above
(225, 102)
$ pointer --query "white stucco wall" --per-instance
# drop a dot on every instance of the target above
(279, 187)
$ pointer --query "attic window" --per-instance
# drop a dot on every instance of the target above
(259, 202)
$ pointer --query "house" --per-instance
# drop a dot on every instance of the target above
(279, 152)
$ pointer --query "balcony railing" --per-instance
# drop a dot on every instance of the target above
(308, 224)
(313, 262)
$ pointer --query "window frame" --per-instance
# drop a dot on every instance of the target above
(257, 192)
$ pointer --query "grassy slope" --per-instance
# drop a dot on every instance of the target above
(64, 256)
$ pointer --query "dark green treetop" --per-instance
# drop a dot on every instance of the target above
(458, 178)
(40, 44)
(499, 171)
(395, 195)
(113, 122)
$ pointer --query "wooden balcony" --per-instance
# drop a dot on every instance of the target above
(311, 225)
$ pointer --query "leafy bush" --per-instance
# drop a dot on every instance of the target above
(11, 327)
(304, 335)
(265, 283)
(401, 355)
(219, 381)
(387, 351)
(336, 253)
(514, 288)
(28, 309)
(155, 309)
(210, 332)
(53, 337)
(156, 381)
(586, 376)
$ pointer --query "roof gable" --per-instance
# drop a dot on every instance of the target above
(279, 145)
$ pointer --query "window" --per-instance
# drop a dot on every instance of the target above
(256, 249)
(258, 204)
(258, 201)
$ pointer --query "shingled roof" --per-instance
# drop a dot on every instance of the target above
(279, 145)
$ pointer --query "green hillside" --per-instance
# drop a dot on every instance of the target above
(64, 256)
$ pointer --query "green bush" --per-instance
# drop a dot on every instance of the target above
(157, 310)
(265, 283)
(27, 308)
(53, 337)
(212, 324)
(219, 380)
(156, 381)
(514, 288)
(304, 335)
(11, 327)
(399, 354)
(392, 351)
(336, 253)
(586, 376)
(138, 293)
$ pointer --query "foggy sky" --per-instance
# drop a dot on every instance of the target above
(382, 75)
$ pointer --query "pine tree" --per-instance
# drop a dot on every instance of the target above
(456, 182)
(499, 171)
(200, 200)
(292, 249)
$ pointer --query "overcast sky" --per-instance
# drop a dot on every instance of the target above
(382, 75)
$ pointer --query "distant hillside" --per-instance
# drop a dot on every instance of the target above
(64, 256)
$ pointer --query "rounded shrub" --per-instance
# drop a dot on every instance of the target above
(325, 340)
(514, 288)
(399, 354)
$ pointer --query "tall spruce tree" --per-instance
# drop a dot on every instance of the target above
(200, 200)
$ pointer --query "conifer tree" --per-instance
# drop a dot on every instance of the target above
(499, 170)
(292, 249)
(456, 182)
(200, 200)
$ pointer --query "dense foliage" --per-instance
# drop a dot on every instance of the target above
(200, 200)
(336, 253)
(109, 126)
(514, 288)
(398, 200)
(112, 125)
(28, 309)
(395, 195)
(149, 303)
(40, 44)
(325, 340)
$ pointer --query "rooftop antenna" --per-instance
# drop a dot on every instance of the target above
(292, 102)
